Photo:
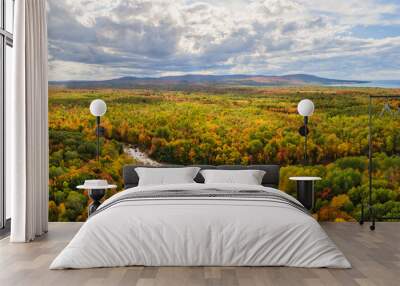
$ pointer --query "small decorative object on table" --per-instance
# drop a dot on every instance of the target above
(97, 190)
(305, 190)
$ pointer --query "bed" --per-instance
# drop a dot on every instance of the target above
(198, 224)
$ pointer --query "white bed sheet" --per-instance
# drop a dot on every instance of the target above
(200, 232)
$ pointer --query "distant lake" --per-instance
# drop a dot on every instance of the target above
(375, 83)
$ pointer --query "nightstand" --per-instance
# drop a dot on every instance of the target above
(305, 190)
(96, 190)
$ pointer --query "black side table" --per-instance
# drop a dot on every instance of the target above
(96, 195)
(305, 190)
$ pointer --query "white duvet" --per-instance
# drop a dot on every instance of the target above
(200, 231)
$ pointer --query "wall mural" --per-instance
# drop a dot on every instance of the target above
(187, 82)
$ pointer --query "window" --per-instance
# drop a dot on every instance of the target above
(6, 43)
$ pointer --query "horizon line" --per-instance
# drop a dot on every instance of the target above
(216, 75)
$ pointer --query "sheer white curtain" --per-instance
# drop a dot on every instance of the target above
(27, 142)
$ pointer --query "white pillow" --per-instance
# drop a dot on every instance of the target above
(166, 176)
(248, 177)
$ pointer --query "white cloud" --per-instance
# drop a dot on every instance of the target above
(109, 38)
(354, 12)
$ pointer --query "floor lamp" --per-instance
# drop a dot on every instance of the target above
(98, 108)
(305, 109)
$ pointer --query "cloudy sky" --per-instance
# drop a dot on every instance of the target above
(102, 39)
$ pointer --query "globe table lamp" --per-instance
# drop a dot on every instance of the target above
(305, 109)
(98, 108)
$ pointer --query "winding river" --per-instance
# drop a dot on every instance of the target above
(140, 157)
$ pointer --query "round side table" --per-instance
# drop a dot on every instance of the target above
(96, 193)
(305, 190)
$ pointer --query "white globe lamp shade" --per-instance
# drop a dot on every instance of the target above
(305, 107)
(98, 107)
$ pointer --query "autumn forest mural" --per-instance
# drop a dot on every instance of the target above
(189, 82)
(245, 126)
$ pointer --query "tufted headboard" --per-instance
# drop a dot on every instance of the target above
(271, 177)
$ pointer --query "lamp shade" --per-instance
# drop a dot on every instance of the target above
(305, 107)
(98, 107)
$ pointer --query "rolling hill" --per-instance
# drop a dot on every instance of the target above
(206, 80)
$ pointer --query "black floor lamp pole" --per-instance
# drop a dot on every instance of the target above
(98, 137)
(370, 213)
(305, 108)
(305, 139)
(98, 108)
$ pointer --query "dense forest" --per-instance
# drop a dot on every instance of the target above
(231, 125)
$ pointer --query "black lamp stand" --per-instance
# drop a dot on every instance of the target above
(371, 213)
(305, 139)
(99, 132)
(98, 137)
(303, 130)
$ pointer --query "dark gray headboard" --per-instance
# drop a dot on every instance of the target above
(271, 178)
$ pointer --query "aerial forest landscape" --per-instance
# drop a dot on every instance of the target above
(218, 82)
(228, 125)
